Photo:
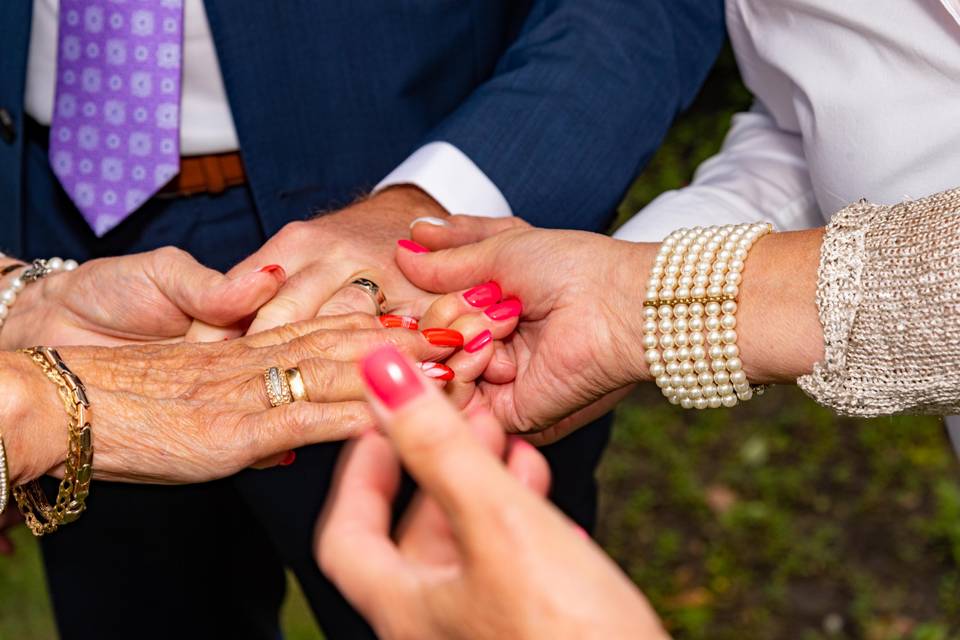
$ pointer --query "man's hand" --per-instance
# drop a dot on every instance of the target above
(146, 297)
(322, 255)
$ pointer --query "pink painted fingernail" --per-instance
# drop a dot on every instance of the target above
(482, 340)
(436, 370)
(509, 308)
(580, 531)
(391, 379)
(276, 271)
(483, 295)
(410, 245)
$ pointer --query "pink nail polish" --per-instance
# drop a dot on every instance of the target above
(410, 245)
(479, 342)
(509, 308)
(483, 295)
(391, 379)
(580, 531)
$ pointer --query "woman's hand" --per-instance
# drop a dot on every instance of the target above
(577, 348)
(183, 413)
(479, 554)
(146, 297)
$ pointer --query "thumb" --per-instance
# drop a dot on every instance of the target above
(458, 230)
(449, 270)
(208, 295)
(434, 441)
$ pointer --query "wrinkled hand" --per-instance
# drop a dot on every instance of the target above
(576, 351)
(322, 255)
(480, 554)
(147, 297)
(184, 413)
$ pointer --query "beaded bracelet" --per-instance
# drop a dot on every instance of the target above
(36, 270)
(689, 319)
(4, 479)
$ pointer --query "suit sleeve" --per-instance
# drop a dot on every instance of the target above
(581, 100)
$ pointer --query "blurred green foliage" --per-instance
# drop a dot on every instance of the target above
(773, 520)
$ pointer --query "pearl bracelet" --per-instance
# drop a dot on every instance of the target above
(36, 270)
(689, 316)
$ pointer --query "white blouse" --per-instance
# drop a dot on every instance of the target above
(854, 98)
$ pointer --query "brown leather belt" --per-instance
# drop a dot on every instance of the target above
(212, 174)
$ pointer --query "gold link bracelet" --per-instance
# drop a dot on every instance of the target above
(40, 515)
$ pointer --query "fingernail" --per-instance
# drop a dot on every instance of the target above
(390, 378)
(483, 295)
(436, 370)
(519, 443)
(276, 270)
(510, 308)
(580, 531)
(437, 222)
(443, 337)
(410, 245)
(479, 342)
(288, 459)
(399, 322)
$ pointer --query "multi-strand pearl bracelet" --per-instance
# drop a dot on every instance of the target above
(689, 320)
(36, 270)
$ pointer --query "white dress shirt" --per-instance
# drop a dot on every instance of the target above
(855, 98)
(206, 124)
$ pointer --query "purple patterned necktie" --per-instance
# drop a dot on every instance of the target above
(115, 135)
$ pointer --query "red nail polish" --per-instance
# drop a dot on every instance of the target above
(288, 459)
(436, 371)
(275, 270)
(483, 295)
(399, 322)
(391, 379)
(410, 245)
(479, 342)
(443, 337)
(509, 308)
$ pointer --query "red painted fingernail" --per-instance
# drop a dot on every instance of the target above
(509, 308)
(275, 270)
(391, 379)
(483, 295)
(399, 322)
(443, 337)
(436, 370)
(479, 342)
(410, 245)
(288, 459)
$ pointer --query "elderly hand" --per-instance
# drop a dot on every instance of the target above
(146, 297)
(480, 554)
(324, 254)
(185, 413)
(577, 348)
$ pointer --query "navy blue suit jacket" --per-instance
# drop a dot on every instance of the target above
(559, 102)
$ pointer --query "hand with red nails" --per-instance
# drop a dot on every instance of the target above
(570, 359)
(323, 255)
(480, 553)
(148, 297)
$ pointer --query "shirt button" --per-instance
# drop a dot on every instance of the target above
(7, 130)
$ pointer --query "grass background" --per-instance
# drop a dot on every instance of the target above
(772, 520)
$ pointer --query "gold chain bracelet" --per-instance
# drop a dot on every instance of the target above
(40, 515)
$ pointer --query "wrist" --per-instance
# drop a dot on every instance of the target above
(32, 420)
(408, 202)
(632, 266)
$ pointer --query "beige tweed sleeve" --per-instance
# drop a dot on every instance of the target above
(889, 301)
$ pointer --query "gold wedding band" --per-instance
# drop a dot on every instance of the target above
(295, 382)
(373, 290)
(278, 389)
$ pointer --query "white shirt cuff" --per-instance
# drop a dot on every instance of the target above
(452, 179)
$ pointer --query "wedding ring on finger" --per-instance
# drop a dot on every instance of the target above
(373, 290)
(298, 390)
(278, 388)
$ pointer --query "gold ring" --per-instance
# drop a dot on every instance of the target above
(295, 382)
(278, 389)
(373, 290)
